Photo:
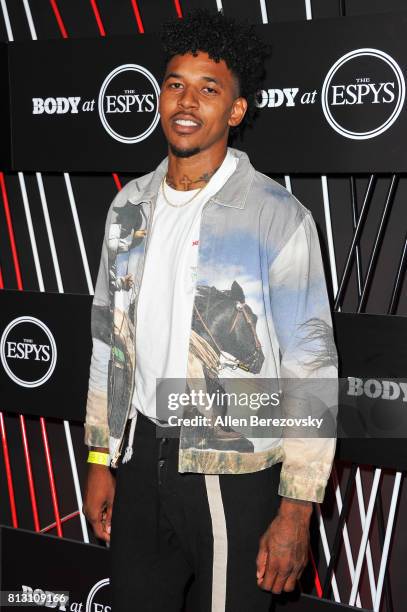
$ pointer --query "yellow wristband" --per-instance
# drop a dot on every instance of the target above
(98, 457)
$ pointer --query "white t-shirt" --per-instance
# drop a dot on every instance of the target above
(165, 302)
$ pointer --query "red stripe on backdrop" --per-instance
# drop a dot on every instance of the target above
(11, 232)
(98, 18)
(68, 517)
(8, 473)
(317, 581)
(138, 16)
(31, 486)
(178, 8)
(51, 478)
(1, 280)
(117, 181)
(59, 18)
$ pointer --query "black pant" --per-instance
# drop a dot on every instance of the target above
(172, 530)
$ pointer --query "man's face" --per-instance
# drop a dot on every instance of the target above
(199, 102)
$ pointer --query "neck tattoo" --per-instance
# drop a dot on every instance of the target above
(187, 183)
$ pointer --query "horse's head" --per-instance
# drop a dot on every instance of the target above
(229, 324)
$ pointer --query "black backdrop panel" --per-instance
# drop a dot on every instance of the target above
(57, 123)
(82, 570)
(373, 347)
(45, 353)
(45, 562)
(5, 149)
(304, 603)
(326, 109)
(92, 104)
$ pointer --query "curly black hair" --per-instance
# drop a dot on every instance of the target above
(222, 38)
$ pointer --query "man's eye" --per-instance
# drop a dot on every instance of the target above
(210, 90)
(175, 85)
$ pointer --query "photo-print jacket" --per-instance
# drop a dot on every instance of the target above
(260, 307)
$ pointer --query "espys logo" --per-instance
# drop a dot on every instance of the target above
(128, 103)
(361, 78)
(362, 95)
(28, 351)
(91, 605)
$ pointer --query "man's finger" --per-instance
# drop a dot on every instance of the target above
(99, 532)
(101, 527)
(270, 574)
(282, 575)
(108, 523)
(291, 582)
(261, 562)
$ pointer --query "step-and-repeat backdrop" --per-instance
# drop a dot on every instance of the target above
(94, 103)
(333, 101)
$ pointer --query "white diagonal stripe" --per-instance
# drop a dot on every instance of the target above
(362, 512)
(387, 540)
(327, 553)
(76, 480)
(329, 234)
(287, 181)
(30, 20)
(365, 535)
(263, 8)
(78, 232)
(345, 533)
(31, 233)
(7, 20)
(49, 231)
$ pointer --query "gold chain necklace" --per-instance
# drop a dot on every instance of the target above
(178, 205)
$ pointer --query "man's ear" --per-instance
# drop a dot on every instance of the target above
(238, 111)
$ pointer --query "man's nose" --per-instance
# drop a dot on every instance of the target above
(188, 99)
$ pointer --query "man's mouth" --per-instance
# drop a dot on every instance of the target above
(185, 126)
(185, 122)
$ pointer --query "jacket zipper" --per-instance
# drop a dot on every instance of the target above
(118, 452)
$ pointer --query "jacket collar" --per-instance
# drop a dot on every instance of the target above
(233, 193)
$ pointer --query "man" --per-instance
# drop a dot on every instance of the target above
(224, 280)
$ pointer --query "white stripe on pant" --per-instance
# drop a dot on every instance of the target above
(220, 543)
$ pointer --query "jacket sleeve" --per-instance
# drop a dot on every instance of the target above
(96, 421)
(303, 324)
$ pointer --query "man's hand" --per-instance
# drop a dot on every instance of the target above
(127, 281)
(283, 550)
(98, 499)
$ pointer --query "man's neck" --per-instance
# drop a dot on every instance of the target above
(185, 173)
